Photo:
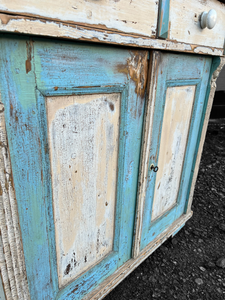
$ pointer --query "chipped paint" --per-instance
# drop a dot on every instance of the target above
(108, 285)
(137, 68)
(13, 272)
(83, 136)
(5, 19)
(61, 30)
(28, 61)
(107, 15)
(185, 25)
(175, 128)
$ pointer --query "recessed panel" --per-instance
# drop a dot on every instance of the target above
(83, 132)
(174, 135)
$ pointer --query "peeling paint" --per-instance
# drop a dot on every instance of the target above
(5, 18)
(85, 129)
(62, 30)
(113, 15)
(29, 46)
(136, 68)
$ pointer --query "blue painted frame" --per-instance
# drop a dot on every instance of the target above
(163, 19)
(23, 91)
(161, 223)
(214, 66)
(150, 229)
(114, 260)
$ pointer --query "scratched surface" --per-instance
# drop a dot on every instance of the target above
(175, 128)
(29, 25)
(39, 69)
(83, 140)
(116, 14)
(179, 78)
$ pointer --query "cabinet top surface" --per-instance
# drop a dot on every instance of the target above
(131, 23)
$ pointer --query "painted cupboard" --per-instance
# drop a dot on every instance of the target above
(179, 84)
(100, 144)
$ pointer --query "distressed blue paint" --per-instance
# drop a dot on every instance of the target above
(18, 96)
(174, 70)
(63, 69)
(214, 66)
(90, 279)
(163, 22)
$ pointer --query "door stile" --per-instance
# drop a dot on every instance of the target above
(145, 151)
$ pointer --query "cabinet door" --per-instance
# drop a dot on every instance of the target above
(74, 116)
(173, 123)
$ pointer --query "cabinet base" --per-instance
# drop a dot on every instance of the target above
(111, 282)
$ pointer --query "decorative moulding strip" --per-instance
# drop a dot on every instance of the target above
(42, 27)
(11, 251)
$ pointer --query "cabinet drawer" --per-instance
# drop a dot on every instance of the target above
(184, 25)
(139, 17)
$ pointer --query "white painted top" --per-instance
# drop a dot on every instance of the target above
(131, 16)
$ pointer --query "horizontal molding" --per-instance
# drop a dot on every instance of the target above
(41, 27)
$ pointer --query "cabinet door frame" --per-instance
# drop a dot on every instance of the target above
(192, 144)
(113, 260)
(30, 71)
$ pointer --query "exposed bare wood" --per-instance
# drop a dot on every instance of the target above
(204, 129)
(27, 25)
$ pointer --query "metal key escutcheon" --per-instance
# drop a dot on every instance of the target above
(154, 168)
